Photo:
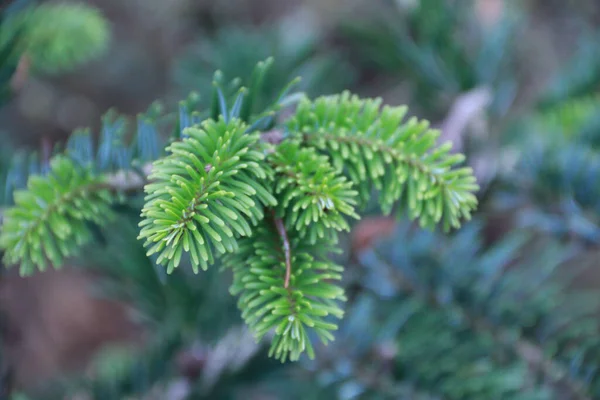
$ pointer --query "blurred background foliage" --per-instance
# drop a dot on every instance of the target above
(506, 308)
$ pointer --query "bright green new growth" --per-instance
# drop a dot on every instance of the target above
(57, 37)
(314, 197)
(378, 151)
(216, 184)
(49, 220)
(259, 278)
(271, 204)
(205, 194)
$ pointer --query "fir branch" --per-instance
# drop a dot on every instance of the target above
(208, 197)
(49, 220)
(378, 151)
(528, 351)
(259, 273)
(315, 199)
(70, 196)
(198, 210)
(118, 162)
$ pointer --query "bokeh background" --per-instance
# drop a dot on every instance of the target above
(505, 308)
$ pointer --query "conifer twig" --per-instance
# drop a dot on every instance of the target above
(528, 351)
(286, 249)
(122, 181)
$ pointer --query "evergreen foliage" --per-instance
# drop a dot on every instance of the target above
(55, 37)
(315, 198)
(379, 151)
(49, 219)
(580, 75)
(48, 38)
(8, 64)
(425, 315)
(295, 310)
(440, 48)
(219, 184)
(235, 50)
(570, 118)
(559, 169)
(210, 186)
(464, 322)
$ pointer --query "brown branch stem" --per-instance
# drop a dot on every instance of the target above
(286, 249)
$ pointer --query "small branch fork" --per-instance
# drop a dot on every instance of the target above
(286, 248)
(275, 137)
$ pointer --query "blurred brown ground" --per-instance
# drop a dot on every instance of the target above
(53, 323)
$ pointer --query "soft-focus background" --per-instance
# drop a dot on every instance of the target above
(505, 308)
